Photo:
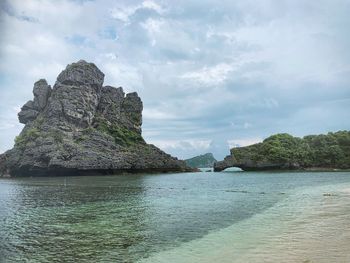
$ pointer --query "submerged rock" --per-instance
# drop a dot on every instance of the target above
(79, 127)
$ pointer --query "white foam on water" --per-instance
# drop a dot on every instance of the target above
(309, 225)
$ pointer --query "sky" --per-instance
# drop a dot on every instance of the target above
(212, 75)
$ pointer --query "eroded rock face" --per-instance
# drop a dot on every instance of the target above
(226, 163)
(116, 108)
(76, 95)
(131, 111)
(81, 73)
(42, 92)
(247, 164)
(31, 109)
(79, 126)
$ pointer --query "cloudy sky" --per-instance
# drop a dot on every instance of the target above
(211, 75)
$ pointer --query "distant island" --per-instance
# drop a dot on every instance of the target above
(201, 161)
(80, 127)
(285, 152)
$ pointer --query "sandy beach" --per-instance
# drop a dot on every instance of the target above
(310, 225)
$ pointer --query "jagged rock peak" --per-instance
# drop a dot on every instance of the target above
(81, 127)
(42, 92)
(80, 73)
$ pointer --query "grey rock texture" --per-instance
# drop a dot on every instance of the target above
(81, 127)
(31, 109)
(247, 164)
(41, 93)
(81, 73)
(226, 163)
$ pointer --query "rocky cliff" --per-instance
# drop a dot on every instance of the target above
(285, 152)
(80, 126)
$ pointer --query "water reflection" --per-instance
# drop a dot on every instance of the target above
(83, 219)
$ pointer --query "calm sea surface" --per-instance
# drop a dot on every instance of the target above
(190, 217)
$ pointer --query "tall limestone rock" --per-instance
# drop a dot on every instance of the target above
(80, 126)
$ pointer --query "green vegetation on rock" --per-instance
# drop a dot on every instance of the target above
(57, 135)
(331, 150)
(121, 135)
(201, 161)
(30, 133)
(26, 136)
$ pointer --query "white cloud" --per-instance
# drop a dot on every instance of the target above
(153, 25)
(125, 12)
(210, 75)
(220, 73)
(51, 70)
(110, 56)
(154, 6)
(264, 67)
(121, 74)
(243, 142)
(190, 144)
(156, 114)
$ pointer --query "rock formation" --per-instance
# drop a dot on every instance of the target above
(80, 126)
(285, 152)
(201, 161)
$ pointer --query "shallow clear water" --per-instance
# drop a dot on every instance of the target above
(236, 216)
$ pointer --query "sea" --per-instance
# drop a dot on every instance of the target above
(231, 216)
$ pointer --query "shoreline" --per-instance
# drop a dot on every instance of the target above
(95, 172)
(311, 169)
(108, 172)
(308, 226)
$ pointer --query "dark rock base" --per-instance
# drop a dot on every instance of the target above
(91, 172)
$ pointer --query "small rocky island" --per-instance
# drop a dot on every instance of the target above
(82, 127)
(201, 161)
(285, 152)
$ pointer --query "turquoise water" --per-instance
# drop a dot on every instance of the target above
(190, 217)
